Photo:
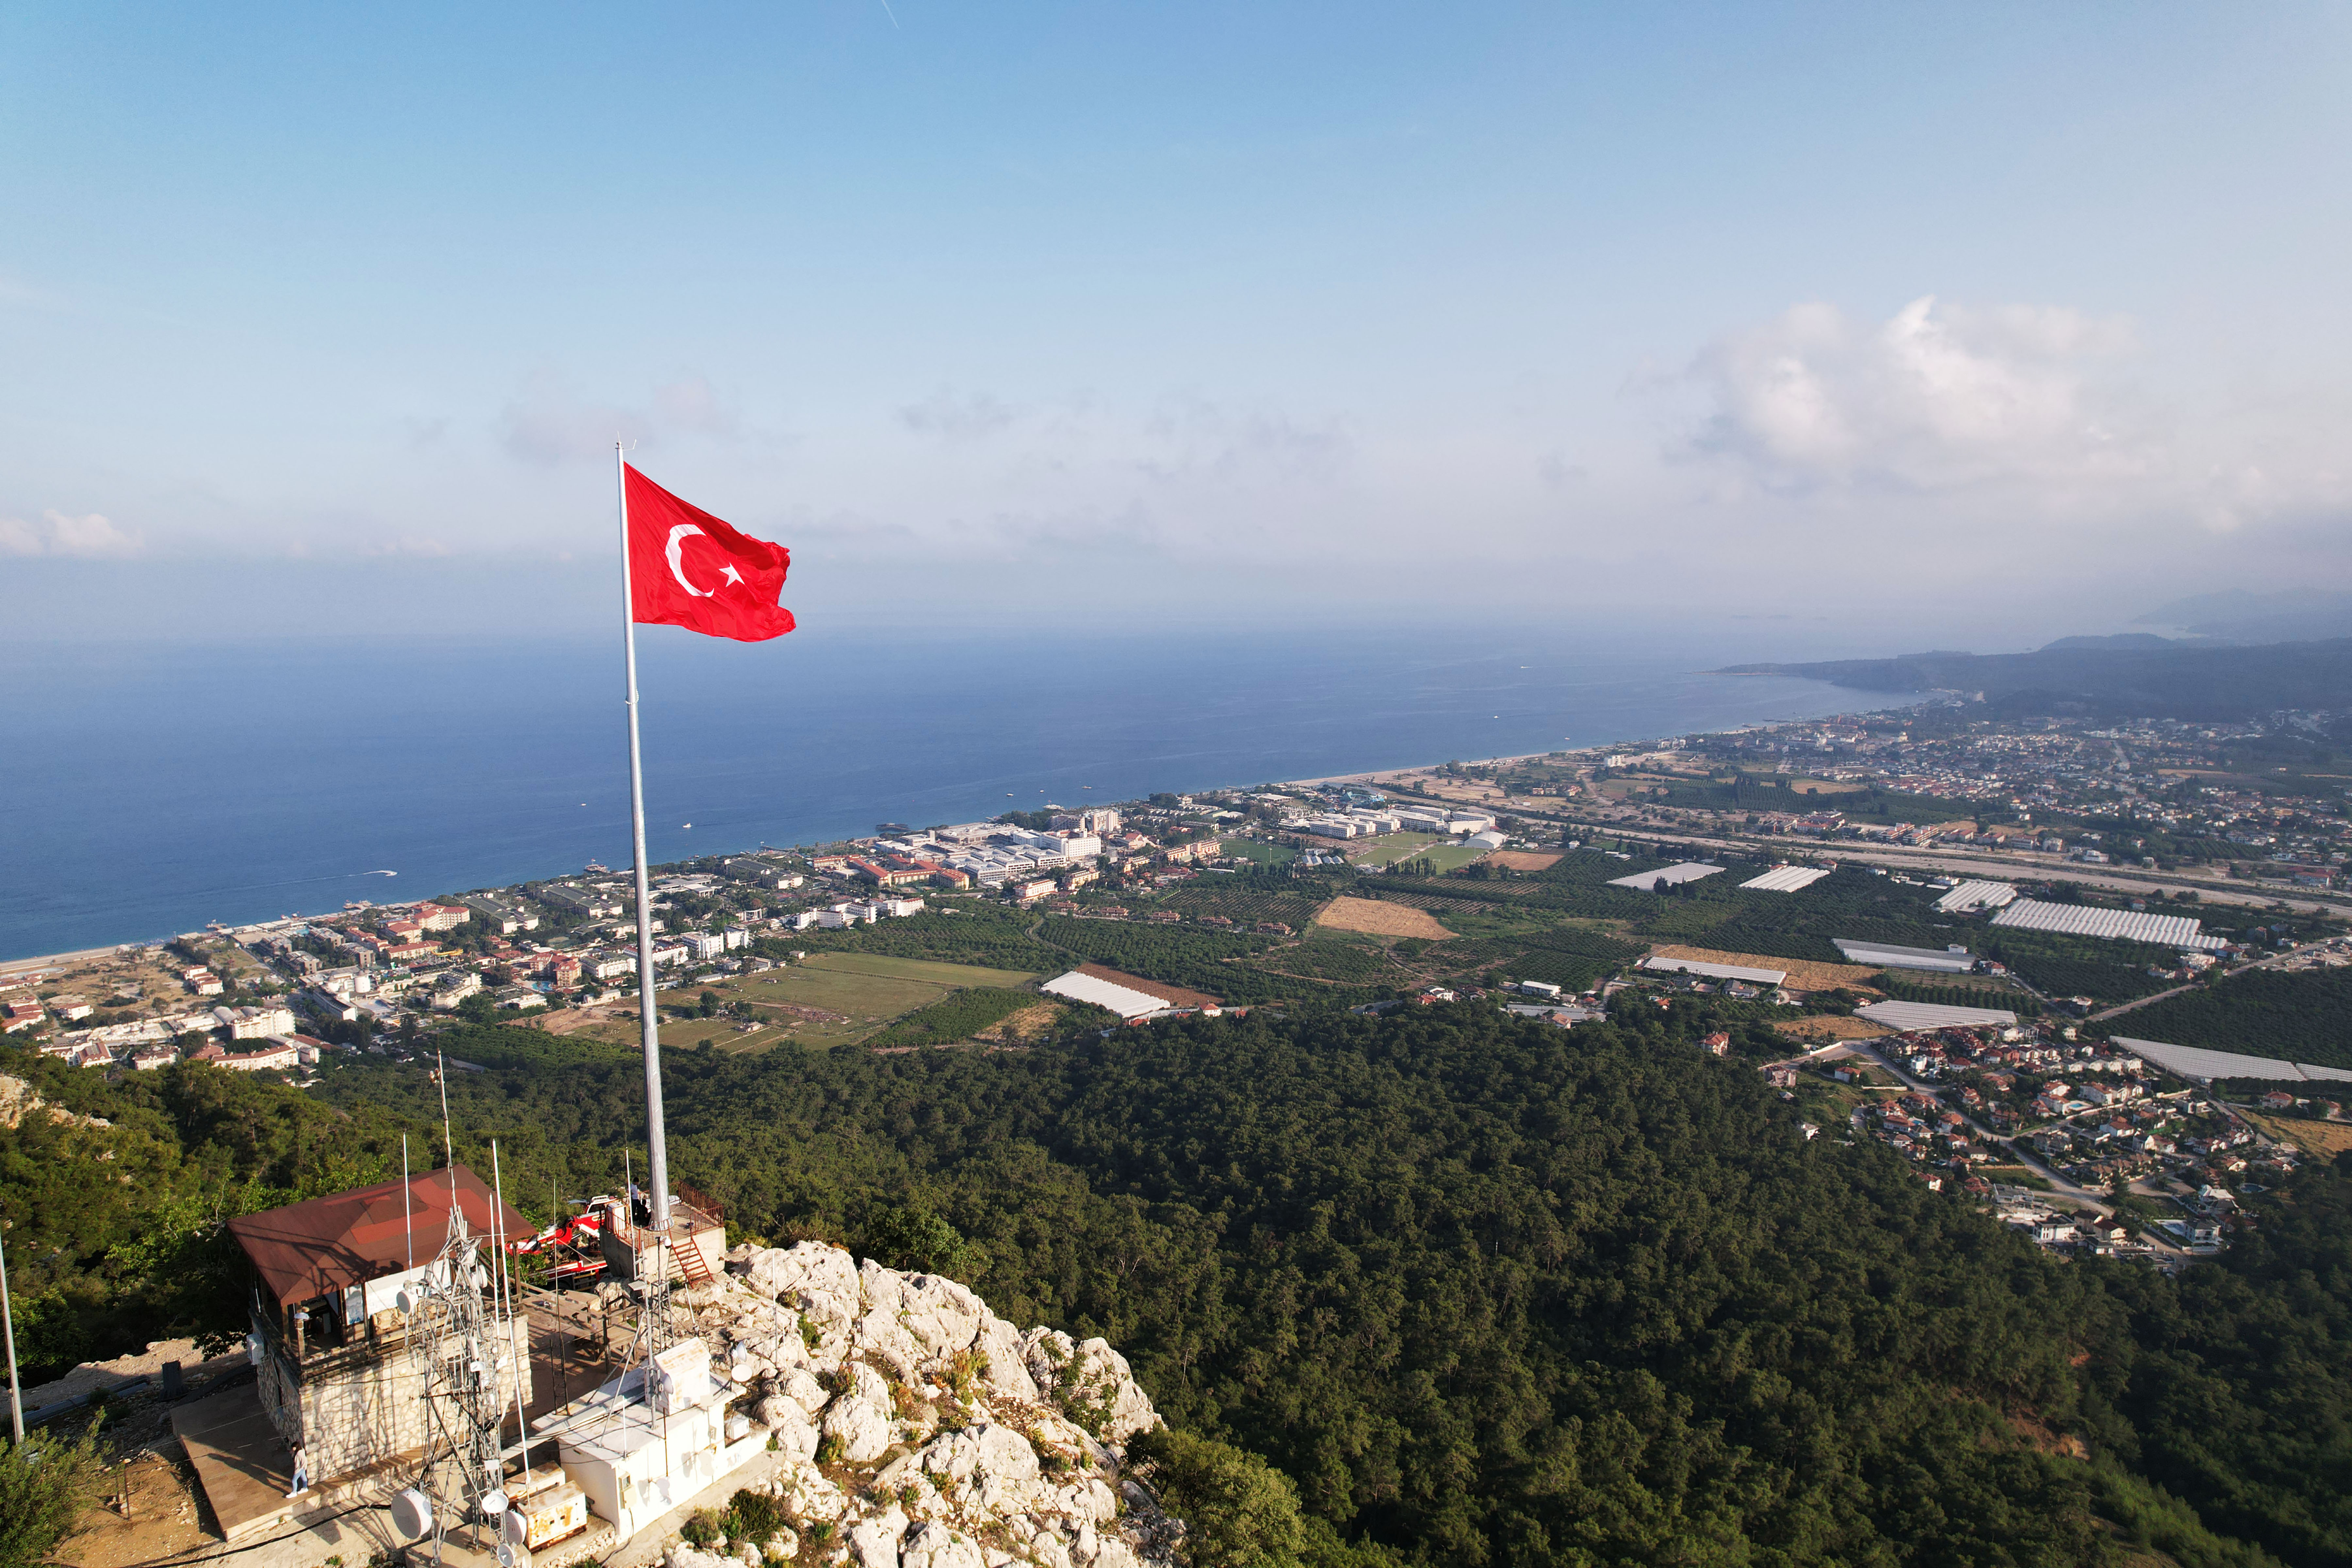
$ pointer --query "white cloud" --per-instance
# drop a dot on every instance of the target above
(1932, 399)
(90, 537)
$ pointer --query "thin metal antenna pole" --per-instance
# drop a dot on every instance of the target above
(648, 1014)
(523, 1426)
(457, 1214)
(8, 1322)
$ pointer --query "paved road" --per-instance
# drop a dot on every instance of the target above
(1992, 868)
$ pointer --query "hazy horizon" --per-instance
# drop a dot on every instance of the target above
(1993, 323)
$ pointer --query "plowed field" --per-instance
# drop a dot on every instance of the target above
(1378, 917)
(1522, 860)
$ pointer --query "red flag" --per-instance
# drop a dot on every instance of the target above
(688, 569)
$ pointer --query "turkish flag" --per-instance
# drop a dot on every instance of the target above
(688, 569)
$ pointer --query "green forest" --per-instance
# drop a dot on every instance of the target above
(1482, 1291)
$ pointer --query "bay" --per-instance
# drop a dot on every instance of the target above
(149, 789)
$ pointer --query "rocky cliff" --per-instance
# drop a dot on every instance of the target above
(919, 1429)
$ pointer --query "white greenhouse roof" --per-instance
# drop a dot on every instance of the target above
(2195, 1061)
(1788, 879)
(2127, 925)
(1905, 1016)
(1127, 1003)
(1715, 971)
(1674, 876)
(1888, 956)
(1975, 896)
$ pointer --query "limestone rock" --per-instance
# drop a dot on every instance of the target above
(804, 1391)
(864, 1431)
(937, 1546)
(1004, 1446)
(1092, 1381)
(874, 1542)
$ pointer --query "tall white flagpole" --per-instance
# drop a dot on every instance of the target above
(649, 1016)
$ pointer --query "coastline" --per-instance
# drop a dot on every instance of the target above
(268, 820)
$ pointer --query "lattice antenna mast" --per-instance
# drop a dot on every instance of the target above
(460, 1351)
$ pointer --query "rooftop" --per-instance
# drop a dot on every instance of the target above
(322, 1244)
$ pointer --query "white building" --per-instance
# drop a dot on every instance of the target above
(255, 1022)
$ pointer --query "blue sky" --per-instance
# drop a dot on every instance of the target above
(1514, 307)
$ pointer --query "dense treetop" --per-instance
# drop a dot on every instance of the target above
(1481, 1291)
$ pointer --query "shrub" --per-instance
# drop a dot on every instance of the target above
(912, 1237)
(1238, 1510)
(45, 1484)
(753, 1516)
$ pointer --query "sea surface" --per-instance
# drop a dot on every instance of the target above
(146, 790)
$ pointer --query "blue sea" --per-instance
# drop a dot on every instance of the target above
(147, 790)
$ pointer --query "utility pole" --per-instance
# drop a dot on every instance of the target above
(8, 1325)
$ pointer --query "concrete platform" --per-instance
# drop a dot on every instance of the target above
(244, 1464)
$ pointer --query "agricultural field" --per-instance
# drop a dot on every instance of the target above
(1440, 855)
(1574, 957)
(1825, 1026)
(955, 1017)
(2057, 964)
(1333, 958)
(1523, 860)
(1804, 974)
(2300, 1017)
(1181, 956)
(2325, 1139)
(1387, 848)
(1239, 901)
(962, 932)
(925, 970)
(1379, 917)
(1259, 850)
(1959, 991)
(833, 999)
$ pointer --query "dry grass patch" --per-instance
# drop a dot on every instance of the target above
(2326, 1138)
(1029, 1023)
(1378, 917)
(1830, 1027)
(1804, 974)
(1522, 860)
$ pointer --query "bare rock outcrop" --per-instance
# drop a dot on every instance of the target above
(921, 1430)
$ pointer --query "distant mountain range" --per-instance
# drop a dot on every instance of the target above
(2299, 615)
(2135, 674)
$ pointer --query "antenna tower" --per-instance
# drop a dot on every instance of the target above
(460, 1344)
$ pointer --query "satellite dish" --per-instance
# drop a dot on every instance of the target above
(412, 1514)
(516, 1527)
(494, 1503)
(405, 1301)
(513, 1556)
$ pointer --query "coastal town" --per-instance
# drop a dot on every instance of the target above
(2103, 869)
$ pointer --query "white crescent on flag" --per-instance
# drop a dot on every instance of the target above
(677, 567)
